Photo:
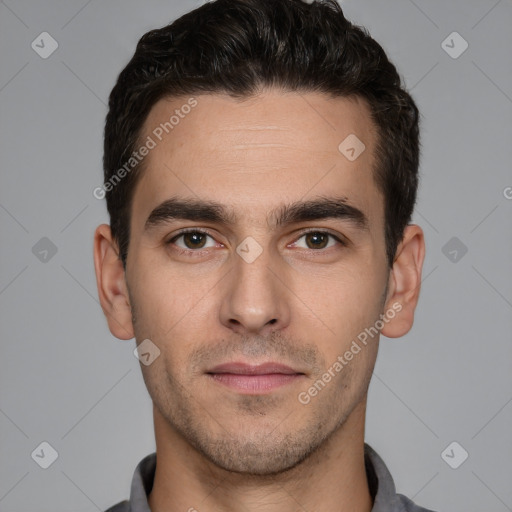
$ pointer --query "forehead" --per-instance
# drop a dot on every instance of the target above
(255, 154)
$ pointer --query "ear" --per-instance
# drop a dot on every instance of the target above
(112, 289)
(404, 282)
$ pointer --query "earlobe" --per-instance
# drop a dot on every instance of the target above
(404, 283)
(110, 280)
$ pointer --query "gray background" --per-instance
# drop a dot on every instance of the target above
(67, 381)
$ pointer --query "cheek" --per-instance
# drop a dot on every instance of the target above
(346, 304)
(172, 313)
(164, 299)
(342, 301)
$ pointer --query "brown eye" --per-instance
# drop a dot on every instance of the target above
(193, 239)
(317, 240)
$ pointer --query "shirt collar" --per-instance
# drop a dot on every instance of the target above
(380, 482)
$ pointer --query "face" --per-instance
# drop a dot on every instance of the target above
(282, 266)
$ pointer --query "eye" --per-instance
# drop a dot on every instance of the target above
(192, 239)
(318, 240)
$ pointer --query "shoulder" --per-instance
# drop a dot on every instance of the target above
(407, 505)
(122, 506)
(382, 486)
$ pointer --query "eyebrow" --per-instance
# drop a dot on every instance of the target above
(300, 211)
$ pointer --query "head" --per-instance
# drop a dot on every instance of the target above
(279, 135)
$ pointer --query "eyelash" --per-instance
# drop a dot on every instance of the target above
(190, 252)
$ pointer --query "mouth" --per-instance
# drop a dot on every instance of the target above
(254, 379)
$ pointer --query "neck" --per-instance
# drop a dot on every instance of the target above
(331, 478)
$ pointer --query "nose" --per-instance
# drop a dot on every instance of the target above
(255, 297)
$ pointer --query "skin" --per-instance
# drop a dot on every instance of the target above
(218, 449)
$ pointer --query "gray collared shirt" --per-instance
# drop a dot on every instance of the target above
(380, 481)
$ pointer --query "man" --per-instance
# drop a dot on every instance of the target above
(261, 168)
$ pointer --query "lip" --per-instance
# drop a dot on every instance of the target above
(240, 368)
(254, 379)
